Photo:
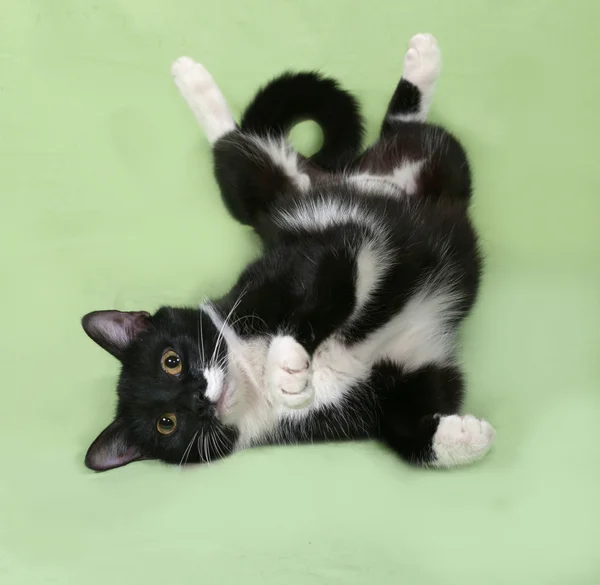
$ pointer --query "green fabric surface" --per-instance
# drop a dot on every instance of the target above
(108, 201)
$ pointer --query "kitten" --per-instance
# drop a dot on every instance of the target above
(346, 327)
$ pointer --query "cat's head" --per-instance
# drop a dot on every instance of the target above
(175, 390)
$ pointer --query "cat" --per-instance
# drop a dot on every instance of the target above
(346, 327)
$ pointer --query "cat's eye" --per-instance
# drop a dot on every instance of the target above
(171, 363)
(166, 424)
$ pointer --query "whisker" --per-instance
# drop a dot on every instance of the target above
(220, 336)
(188, 449)
(222, 440)
(198, 446)
(207, 460)
(218, 445)
(213, 444)
(201, 334)
(221, 363)
(245, 317)
(238, 355)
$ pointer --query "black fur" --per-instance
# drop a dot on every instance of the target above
(406, 100)
(295, 97)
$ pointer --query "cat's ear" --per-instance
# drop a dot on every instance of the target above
(115, 330)
(113, 448)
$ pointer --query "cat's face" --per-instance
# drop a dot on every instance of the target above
(174, 392)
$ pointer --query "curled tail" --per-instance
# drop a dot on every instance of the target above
(295, 97)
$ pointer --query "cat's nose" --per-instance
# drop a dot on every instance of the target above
(200, 404)
(197, 398)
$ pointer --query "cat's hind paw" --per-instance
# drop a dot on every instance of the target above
(460, 440)
(422, 61)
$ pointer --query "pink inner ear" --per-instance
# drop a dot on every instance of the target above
(115, 330)
(105, 461)
(112, 448)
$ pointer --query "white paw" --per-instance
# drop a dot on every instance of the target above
(191, 78)
(459, 440)
(182, 67)
(204, 97)
(422, 62)
(288, 373)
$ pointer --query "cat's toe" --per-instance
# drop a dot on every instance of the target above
(191, 76)
(182, 65)
(460, 440)
(291, 387)
(423, 42)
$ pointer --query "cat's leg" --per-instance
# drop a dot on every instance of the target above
(420, 421)
(251, 169)
(413, 95)
(426, 160)
(253, 172)
(416, 144)
(288, 373)
(203, 97)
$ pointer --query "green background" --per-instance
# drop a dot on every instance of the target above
(108, 202)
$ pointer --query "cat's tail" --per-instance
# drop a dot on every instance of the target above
(295, 97)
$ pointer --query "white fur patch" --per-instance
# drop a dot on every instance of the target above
(250, 408)
(374, 184)
(335, 371)
(215, 383)
(460, 440)
(372, 262)
(422, 65)
(403, 181)
(421, 333)
(370, 268)
(204, 98)
(283, 156)
(406, 176)
(316, 214)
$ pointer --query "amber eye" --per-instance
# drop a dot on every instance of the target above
(166, 424)
(171, 363)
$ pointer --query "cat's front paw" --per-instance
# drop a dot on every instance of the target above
(288, 373)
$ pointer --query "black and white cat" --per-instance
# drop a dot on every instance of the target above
(346, 327)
